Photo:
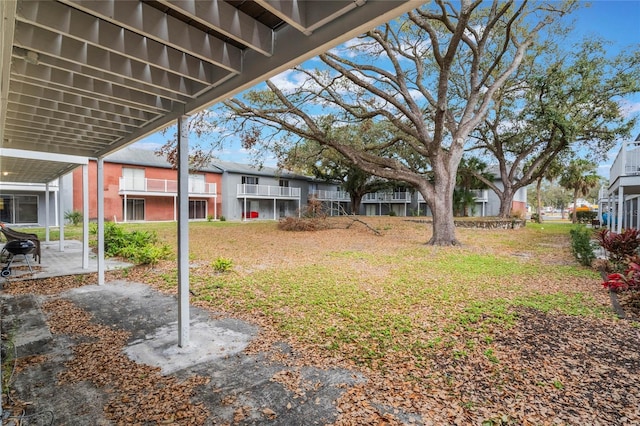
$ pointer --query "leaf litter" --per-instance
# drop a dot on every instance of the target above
(545, 368)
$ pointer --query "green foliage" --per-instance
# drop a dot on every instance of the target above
(586, 216)
(222, 264)
(140, 247)
(535, 218)
(619, 246)
(75, 217)
(581, 245)
(223, 219)
(210, 218)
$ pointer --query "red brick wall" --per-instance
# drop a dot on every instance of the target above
(156, 208)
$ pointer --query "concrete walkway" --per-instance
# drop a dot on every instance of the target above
(238, 382)
(57, 263)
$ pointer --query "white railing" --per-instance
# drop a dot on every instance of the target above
(165, 186)
(480, 195)
(325, 195)
(247, 190)
(386, 197)
(627, 162)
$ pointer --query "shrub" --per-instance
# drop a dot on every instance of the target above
(210, 218)
(140, 247)
(535, 218)
(223, 219)
(75, 217)
(586, 216)
(581, 245)
(222, 265)
(619, 246)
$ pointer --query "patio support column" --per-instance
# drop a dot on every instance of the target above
(610, 212)
(46, 212)
(620, 209)
(637, 213)
(100, 196)
(245, 210)
(124, 210)
(299, 206)
(215, 208)
(183, 232)
(85, 216)
(274, 209)
(61, 213)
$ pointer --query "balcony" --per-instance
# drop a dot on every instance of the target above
(387, 197)
(480, 196)
(267, 191)
(324, 195)
(164, 187)
(627, 162)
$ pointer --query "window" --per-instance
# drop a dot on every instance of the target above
(196, 183)
(133, 179)
(197, 209)
(284, 183)
(19, 208)
(134, 209)
(249, 180)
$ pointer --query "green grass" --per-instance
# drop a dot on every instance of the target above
(368, 302)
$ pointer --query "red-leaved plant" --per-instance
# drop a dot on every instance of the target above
(619, 246)
(629, 281)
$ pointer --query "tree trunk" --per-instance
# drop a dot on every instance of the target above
(539, 201)
(506, 202)
(439, 197)
(356, 200)
(574, 214)
(444, 230)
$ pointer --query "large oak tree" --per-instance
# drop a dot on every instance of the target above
(432, 76)
(559, 104)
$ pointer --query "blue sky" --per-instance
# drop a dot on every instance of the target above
(615, 20)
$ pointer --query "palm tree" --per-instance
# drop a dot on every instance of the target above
(580, 176)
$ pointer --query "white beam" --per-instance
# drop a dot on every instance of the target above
(61, 188)
(155, 25)
(183, 232)
(100, 197)
(227, 20)
(85, 216)
(7, 30)
(44, 156)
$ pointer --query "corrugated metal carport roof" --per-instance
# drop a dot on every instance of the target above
(86, 77)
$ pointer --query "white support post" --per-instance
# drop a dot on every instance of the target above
(61, 213)
(299, 207)
(85, 216)
(274, 209)
(245, 210)
(124, 208)
(215, 208)
(183, 233)
(620, 208)
(637, 213)
(100, 196)
(47, 213)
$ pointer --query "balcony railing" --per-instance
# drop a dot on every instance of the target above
(627, 162)
(324, 195)
(388, 197)
(267, 191)
(164, 186)
(480, 195)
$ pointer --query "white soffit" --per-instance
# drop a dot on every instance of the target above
(87, 77)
